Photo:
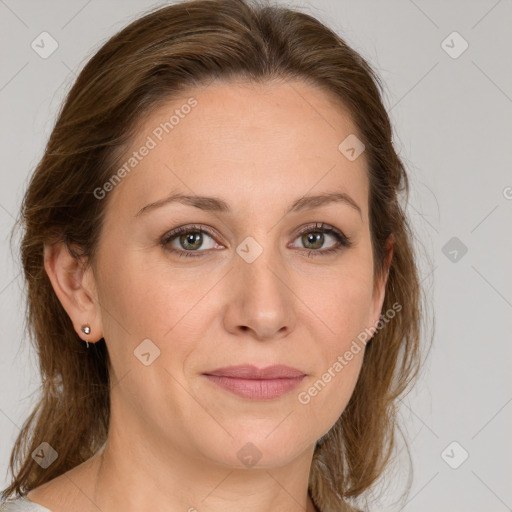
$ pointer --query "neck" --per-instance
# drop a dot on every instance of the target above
(137, 479)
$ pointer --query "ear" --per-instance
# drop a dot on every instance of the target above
(75, 289)
(380, 287)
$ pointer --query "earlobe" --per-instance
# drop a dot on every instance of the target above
(70, 282)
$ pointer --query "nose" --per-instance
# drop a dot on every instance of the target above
(260, 299)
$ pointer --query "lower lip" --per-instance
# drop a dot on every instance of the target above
(257, 389)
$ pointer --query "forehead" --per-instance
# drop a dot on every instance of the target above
(242, 140)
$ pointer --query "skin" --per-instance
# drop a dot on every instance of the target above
(174, 436)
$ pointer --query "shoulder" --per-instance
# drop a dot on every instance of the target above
(22, 504)
(58, 494)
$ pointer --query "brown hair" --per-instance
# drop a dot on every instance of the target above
(155, 57)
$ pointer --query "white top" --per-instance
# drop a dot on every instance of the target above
(22, 504)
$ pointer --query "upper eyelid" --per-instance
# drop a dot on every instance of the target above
(320, 226)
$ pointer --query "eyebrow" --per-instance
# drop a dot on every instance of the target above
(217, 205)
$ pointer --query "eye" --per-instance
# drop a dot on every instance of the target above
(313, 237)
(190, 239)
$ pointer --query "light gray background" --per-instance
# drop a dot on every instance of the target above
(452, 120)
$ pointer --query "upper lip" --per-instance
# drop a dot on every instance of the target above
(248, 371)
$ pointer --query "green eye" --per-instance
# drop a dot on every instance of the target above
(191, 239)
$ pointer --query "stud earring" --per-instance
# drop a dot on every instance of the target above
(86, 329)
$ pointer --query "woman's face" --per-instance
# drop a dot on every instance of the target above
(258, 286)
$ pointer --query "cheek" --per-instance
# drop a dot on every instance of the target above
(326, 395)
(135, 295)
(344, 309)
(344, 303)
(140, 307)
(141, 302)
(133, 307)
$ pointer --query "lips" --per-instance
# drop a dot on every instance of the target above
(252, 372)
(250, 382)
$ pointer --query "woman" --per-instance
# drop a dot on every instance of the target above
(222, 286)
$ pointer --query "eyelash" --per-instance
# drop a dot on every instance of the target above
(343, 240)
